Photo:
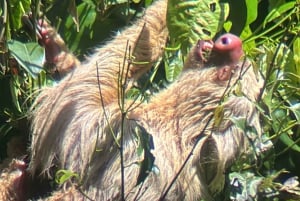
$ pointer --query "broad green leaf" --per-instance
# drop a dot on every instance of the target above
(173, 67)
(18, 9)
(189, 21)
(30, 56)
(278, 12)
(244, 185)
(87, 16)
(251, 11)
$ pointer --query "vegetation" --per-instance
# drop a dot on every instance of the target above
(271, 40)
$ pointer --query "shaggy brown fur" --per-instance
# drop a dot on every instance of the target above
(77, 124)
(182, 115)
(12, 181)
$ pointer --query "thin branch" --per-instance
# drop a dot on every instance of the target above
(103, 107)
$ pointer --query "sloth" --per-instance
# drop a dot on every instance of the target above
(176, 146)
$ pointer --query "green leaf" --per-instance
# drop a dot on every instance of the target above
(296, 50)
(282, 127)
(73, 12)
(30, 56)
(133, 93)
(18, 9)
(244, 185)
(285, 138)
(296, 110)
(62, 176)
(251, 11)
(278, 12)
(189, 21)
(173, 67)
(248, 46)
(87, 16)
(218, 116)
(136, 1)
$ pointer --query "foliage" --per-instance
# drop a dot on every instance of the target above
(271, 41)
(190, 20)
(63, 176)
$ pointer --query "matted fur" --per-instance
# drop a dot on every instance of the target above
(12, 181)
(73, 125)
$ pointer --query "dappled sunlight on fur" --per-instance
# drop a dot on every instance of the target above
(75, 124)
